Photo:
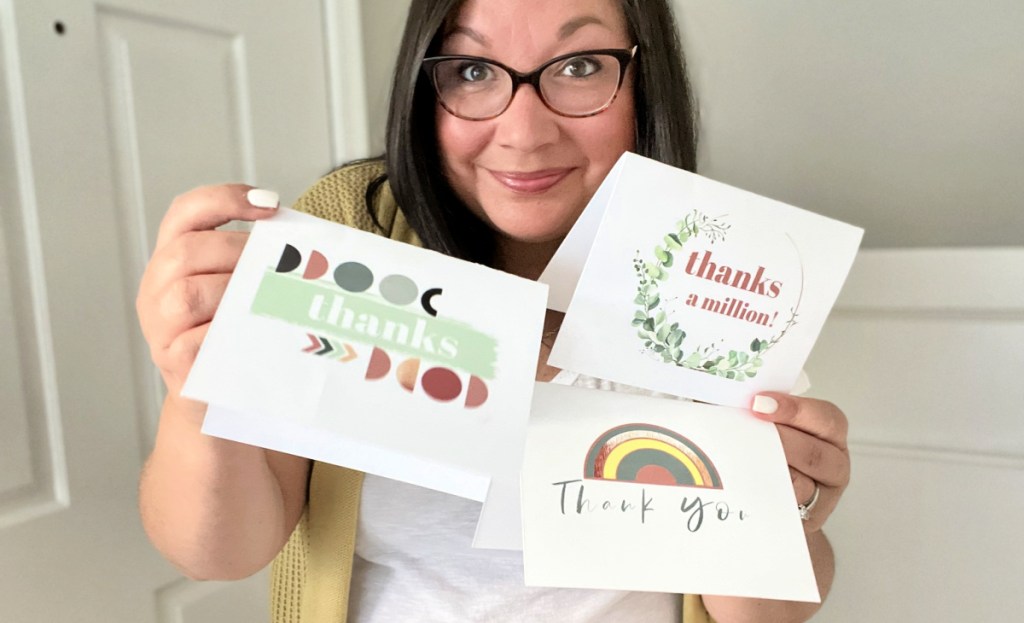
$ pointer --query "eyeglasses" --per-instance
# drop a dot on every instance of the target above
(579, 84)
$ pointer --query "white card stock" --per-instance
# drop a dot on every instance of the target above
(687, 286)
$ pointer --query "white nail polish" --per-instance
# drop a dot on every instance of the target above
(765, 404)
(261, 198)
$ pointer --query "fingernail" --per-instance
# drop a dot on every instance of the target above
(261, 198)
(765, 404)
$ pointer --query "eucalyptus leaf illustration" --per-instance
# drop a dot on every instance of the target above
(666, 339)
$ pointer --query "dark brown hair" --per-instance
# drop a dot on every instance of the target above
(665, 121)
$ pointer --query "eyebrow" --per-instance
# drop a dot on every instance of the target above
(469, 32)
(566, 31)
(573, 25)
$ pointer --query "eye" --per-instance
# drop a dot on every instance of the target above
(580, 67)
(475, 72)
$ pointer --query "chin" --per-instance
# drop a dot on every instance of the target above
(536, 222)
(533, 238)
(531, 230)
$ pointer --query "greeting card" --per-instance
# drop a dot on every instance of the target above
(632, 492)
(347, 347)
(687, 286)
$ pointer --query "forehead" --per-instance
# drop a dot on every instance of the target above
(526, 32)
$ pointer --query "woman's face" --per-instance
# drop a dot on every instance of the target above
(530, 172)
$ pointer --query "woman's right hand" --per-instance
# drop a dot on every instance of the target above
(215, 508)
(190, 268)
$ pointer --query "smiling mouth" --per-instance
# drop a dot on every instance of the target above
(530, 182)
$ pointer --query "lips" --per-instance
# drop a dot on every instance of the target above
(530, 182)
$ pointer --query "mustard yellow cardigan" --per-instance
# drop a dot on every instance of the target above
(310, 577)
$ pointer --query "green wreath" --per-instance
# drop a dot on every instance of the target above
(666, 339)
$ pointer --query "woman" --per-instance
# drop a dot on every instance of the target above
(488, 160)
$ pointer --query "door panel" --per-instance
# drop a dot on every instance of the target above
(32, 475)
(107, 111)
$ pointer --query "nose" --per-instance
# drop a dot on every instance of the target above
(527, 124)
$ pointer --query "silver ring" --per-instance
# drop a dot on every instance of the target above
(806, 508)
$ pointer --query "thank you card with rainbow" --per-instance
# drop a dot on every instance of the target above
(346, 347)
(632, 492)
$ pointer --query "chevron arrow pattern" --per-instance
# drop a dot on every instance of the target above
(318, 345)
(350, 353)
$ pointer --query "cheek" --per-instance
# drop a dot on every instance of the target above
(624, 120)
(613, 137)
(460, 141)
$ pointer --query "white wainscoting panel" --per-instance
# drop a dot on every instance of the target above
(923, 354)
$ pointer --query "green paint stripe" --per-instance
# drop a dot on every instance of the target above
(370, 320)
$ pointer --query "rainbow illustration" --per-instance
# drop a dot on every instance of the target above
(648, 454)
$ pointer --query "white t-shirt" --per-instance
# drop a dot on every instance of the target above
(414, 562)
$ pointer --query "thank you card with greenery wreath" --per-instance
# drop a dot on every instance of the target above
(632, 492)
(346, 347)
(676, 283)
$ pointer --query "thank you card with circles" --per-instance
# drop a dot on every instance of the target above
(349, 348)
(677, 283)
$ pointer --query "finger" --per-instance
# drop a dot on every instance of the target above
(204, 252)
(208, 207)
(828, 499)
(820, 418)
(190, 302)
(803, 486)
(818, 459)
(180, 355)
(197, 253)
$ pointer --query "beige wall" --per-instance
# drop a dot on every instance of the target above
(905, 117)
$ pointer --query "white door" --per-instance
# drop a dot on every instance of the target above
(107, 110)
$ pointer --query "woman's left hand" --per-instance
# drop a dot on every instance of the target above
(813, 434)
